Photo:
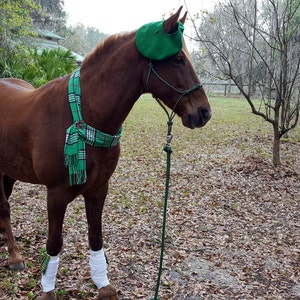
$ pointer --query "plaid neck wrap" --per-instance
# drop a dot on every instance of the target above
(80, 133)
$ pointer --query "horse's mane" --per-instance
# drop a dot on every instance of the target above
(108, 47)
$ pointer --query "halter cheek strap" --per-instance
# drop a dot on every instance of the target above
(182, 93)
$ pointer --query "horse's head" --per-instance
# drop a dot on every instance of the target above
(171, 77)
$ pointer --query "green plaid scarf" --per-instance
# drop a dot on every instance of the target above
(80, 133)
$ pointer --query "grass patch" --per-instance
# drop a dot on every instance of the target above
(232, 123)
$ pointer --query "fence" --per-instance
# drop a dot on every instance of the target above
(218, 88)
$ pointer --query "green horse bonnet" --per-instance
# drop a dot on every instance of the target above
(154, 42)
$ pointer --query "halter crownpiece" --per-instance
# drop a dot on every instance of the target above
(154, 42)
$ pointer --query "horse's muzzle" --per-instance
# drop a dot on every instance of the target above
(198, 119)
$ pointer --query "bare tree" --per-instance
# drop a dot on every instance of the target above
(257, 45)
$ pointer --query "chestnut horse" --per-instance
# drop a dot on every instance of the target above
(33, 124)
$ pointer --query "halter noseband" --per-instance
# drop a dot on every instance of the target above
(182, 93)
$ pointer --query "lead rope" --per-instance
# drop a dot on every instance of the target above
(168, 150)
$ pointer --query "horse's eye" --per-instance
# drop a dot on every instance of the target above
(178, 60)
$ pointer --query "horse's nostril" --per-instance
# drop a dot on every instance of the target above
(205, 114)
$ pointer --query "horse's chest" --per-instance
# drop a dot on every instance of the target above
(102, 162)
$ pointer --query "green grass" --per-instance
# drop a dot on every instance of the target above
(233, 128)
(228, 116)
(232, 120)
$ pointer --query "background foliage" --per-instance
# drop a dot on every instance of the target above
(255, 44)
(47, 65)
(19, 21)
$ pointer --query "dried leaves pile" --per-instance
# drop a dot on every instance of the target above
(233, 228)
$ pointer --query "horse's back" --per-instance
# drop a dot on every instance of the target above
(15, 96)
(13, 92)
(14, 84)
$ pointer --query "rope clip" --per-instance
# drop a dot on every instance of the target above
(169, 139)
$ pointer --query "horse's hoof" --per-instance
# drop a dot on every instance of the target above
(17, 267)
(16, 262)
(48, 296)
(107, 293)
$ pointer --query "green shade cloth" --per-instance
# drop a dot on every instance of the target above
(154, 43)
(80, 133)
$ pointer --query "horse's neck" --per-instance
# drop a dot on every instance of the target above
(110, 88)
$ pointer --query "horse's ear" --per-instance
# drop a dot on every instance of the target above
(170, 24)
(182, 20)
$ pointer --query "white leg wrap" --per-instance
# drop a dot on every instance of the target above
(98, 268)
(49, 277)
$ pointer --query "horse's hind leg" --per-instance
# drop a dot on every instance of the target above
(8, 184)
(15, 260)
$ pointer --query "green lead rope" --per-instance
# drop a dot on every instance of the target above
(168, 150)
(80, 133)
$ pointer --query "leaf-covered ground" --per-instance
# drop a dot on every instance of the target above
(233, 222)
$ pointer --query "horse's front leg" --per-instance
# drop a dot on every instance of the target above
(57, 201)
(94, 203)
(15, 260)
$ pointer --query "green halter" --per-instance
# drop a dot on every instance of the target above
(80, 133)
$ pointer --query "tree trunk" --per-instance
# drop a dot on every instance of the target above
(276, 147)
(229, 87)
